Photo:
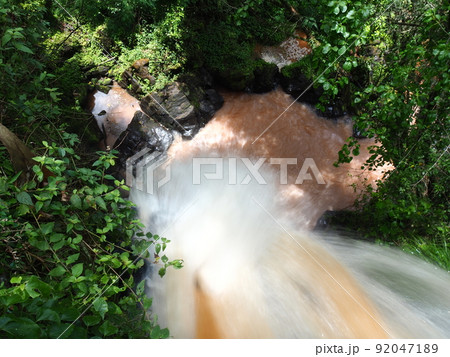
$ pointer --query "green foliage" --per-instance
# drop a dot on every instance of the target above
(27, 92)
(404, 105)
(67, 255)
(339, 29)
(122, 18)
(162, 44)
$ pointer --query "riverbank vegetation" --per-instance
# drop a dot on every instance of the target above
(383, 62)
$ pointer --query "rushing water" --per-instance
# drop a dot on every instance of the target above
(259, 126)
(252, 266)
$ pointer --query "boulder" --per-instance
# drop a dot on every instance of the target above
(265, 77)
(301, 87)
(143, 133)
(182, 107)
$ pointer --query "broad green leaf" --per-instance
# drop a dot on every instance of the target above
(72, 258)
(47, 228)
(77, 239)
(108, 329)
(326, 49)
(59, 245)
(22, 47)
(100, 202)
(56, 237)
(75, 200)
(21, 327)
(25, 198)
(6, 38)
(39, 244)
(4, 320)
(156, 332)
(60, 331)
(23, 210)
(38, 205)
(36, 284)
(164, 333)
(77, 269)
(69, 314)
(91, 320)
(350, 14)
(347, 66)
(101, 306)
(49, 315)
(16, 280)
(58, 271)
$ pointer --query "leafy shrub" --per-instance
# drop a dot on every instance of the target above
(26, 93)
(67, 256)
(404, 105)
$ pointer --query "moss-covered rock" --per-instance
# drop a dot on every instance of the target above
(295, 80)
(265, 77)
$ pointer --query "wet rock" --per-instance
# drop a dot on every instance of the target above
(324, 222)
(210, 103)
(301, 87)
(170, 107)
(142, 134)
(182, 107)
(333, 110)
(265, 77)
(236, 79)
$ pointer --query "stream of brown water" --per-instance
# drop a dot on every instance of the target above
(252, 267)
(259, 126)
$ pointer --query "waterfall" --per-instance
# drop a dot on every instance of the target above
(238, 203)
(238, 216)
